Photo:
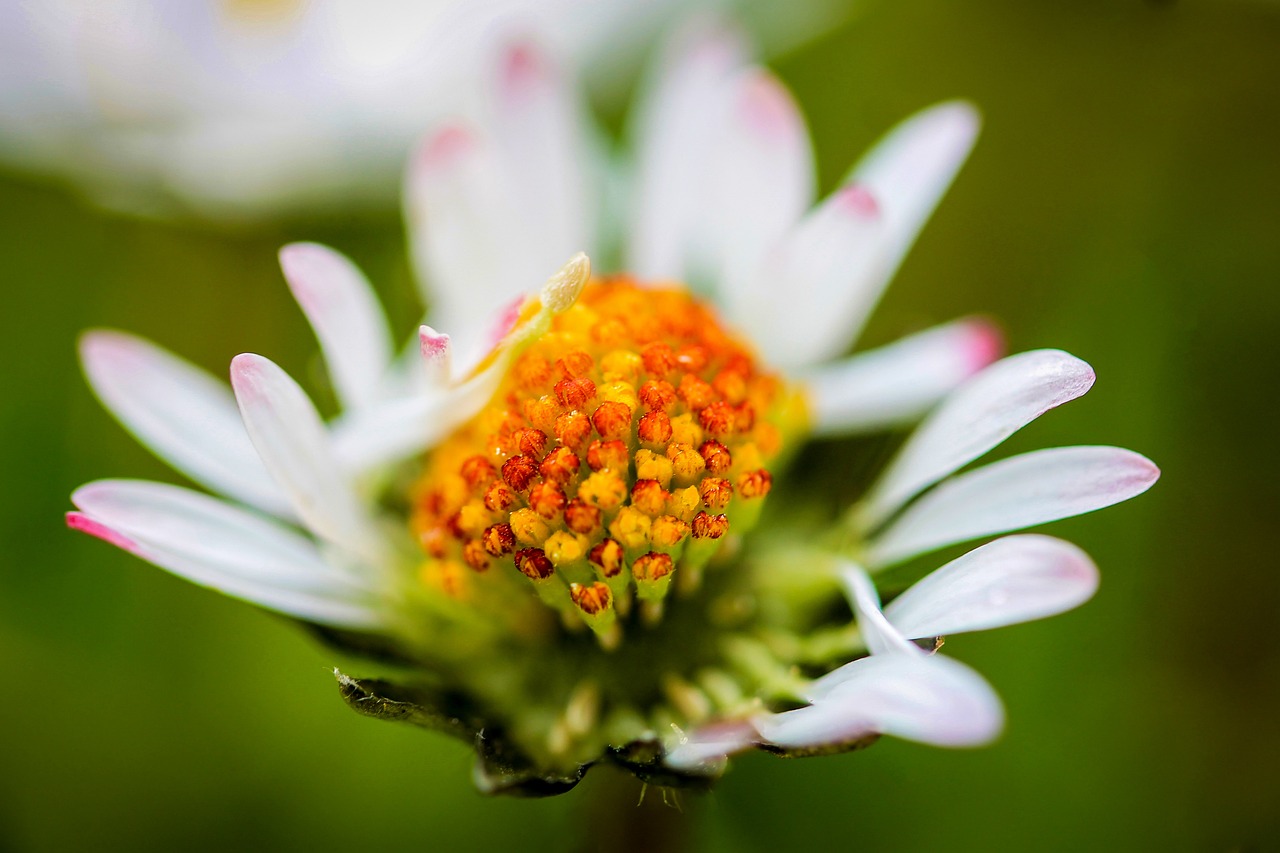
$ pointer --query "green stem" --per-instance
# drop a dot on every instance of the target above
(621, 814)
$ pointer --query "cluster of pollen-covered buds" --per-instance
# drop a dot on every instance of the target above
(622, 449)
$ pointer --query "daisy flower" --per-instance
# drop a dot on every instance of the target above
(548, 519)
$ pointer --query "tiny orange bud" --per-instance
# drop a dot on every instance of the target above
(534, 564)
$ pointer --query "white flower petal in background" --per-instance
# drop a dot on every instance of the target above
(931, 699)
(346, 316)
(1011, 580)
(982, 413)
(878, 634)
(184, 415)
(294, 445)
(898, 383)
(1033, 488)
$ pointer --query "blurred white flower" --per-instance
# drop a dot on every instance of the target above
(243, 108)
(607, 445)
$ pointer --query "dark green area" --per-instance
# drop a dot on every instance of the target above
(1122, 204)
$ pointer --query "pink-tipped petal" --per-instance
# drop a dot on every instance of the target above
(346, 316)
(1033, 488)
(911, 167)
(898, 383)
(931, 699)
(295, 447)
(183, 414)
(977, 417)
(437, 357)
(1011, 580)
(705, 750)
(814, 287)
(214, 544)
(540, 137)
(878, 635)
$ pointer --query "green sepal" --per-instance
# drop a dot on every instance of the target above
(825, 749)
(438, 711)
(502, 769)
(643, 759)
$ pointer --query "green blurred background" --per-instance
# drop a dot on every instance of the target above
(1121, 204)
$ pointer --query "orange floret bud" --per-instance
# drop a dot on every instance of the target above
(668, 531)
(707, 526)
(610, 455)
(529, 442)
(499, 539)
(592, 599)
(477, 471)
(542, 413)
(612, 421)
(730, 385)
(651, 466)
(684, 430)
(692, 358)
(607, 556)
(659, 360)
(719, 418)
(528, 527)
(621, 366)
(560, 466)
(519, 472)
(534, 564)
(684, 503)
(574, 393)
(435, 541)
(649, 497)
(575, 364)
(563, 547)
(499, 498)
(532, 372)
(654, 428)
(581, 517)
(716, 456)
(658, 395)
(475, 555)
(653, 566)
(744, 417)
(546, 499)
(755, 484)
(715, 492)
(695, 393)
(631, 528)
(574, 430)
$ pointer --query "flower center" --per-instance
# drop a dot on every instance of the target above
(622, 451)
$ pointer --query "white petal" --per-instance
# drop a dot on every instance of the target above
(291, 439)
(217, 545)
(704, 750)
(460, 221)
(1022, 491)
(346, 316)
(898, 383)
(676, 121)
(815, 285)
(404, 427)
(981, 414)
(183, 414)
(911, 167)
(1010, 580)
(879, 636)
(540, 138)
(926, 698)
(760, 181)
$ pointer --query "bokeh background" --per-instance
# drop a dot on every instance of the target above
(1122, 204)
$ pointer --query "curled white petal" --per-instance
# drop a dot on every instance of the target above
(900, 382)
(347, 318)
(704, 750)
(926, 698)
(188, 418)
(981, 414)
(879, 635)
(221, 546)
(1033, 488)
(295, 447)
(1011, 580)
